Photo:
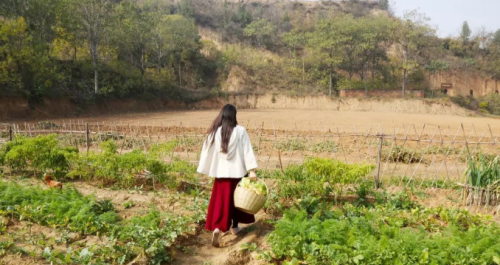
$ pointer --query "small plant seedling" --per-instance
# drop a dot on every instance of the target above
(248, 247)
(128, 204)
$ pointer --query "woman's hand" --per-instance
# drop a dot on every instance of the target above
(252, 175)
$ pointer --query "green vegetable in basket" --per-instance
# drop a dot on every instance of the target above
(257, 187)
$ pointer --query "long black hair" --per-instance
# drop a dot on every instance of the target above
(226, 119)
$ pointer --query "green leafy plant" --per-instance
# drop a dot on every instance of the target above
(385, 235)
(40, 154)
(483, 172)
(57, 208)
(130, 169)
(318, 176)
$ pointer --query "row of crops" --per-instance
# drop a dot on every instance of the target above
(322, 211)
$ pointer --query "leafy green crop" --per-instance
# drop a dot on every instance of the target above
(483, 173)
(318, 176)
(386, 235)
(151, 235)
(65, 208)
(128, 168)
(41, 153)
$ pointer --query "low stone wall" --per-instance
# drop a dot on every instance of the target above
(358, 93)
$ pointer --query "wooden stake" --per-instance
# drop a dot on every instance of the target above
(377, 177)
(87, 136)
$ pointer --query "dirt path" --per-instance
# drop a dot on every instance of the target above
(304, 120)
(196, 249)
(200, 251)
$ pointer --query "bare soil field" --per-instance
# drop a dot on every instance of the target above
(305, 120)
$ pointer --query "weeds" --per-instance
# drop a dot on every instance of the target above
(400, 154)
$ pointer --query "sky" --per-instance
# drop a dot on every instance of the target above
(449, 15)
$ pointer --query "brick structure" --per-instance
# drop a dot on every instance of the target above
(358, 93)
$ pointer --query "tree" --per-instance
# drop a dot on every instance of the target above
(155, 13)
(412, 34)
(24, 68)
(39, 16)
(465, 33)
(384, 4)
(259, 30)
(330, 41)
(374, 34)
(181, 36)
(186, 8)
(296, 39)
(496, 38)
(131, 34)
(70, 33)
(93, 15)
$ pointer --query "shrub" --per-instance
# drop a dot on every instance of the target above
(345, 83)
(483, 105)
(42, 153)
(493, 101)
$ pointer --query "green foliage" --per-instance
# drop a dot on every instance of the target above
(362, 190)
(492, 103)
(65, 208)
(260, 30)
(483, 105)
(345, 83)
(489, 103)
(483, 172)
(128, 168)
(42, 154)
(45, 154)
(496, 37)
(152, 234)
(153, 49)
(318, 176)
(384, 4)
(466, 32)
(437, 66)
(385, 235)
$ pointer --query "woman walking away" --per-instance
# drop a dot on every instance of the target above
(227, 156)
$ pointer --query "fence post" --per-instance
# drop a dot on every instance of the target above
(10, 132)
(87, 136)
(379, 159)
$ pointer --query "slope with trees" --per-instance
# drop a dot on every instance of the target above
(86, 50)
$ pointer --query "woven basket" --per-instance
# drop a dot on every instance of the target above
(248, 201)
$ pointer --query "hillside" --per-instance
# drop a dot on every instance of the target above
(193, 49)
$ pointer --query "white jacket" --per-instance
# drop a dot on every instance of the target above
(236, 163)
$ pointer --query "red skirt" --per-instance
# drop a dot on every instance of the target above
(221, 210)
